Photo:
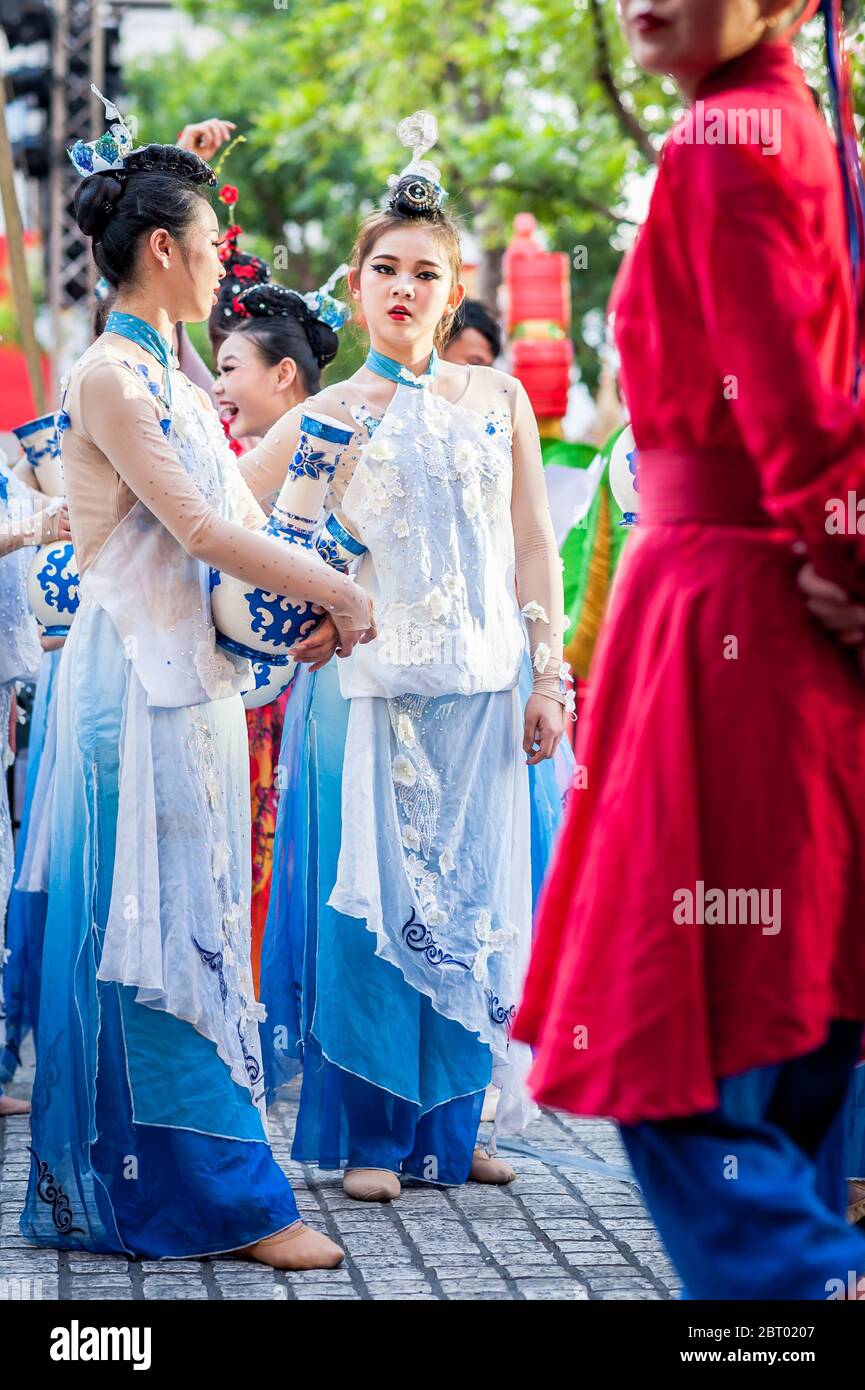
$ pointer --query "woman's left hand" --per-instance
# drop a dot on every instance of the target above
(543, 728)
(317, 649)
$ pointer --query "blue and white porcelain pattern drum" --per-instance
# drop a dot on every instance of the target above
(268, 683)
(40, 440)
(52, 584)
(255, 623)
(52, 587)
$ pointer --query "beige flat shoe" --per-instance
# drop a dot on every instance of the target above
(298, 1247)
(371, 1184)
(491, 1170)
(10, 1105)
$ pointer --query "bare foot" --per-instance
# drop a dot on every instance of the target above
(298, 1247)
(371, 1184)
(493, 1170)
(10, 1105)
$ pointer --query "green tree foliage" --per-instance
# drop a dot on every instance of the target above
(539, 105)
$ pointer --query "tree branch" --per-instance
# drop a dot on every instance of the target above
(604, 69)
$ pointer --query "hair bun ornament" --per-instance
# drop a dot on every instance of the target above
(110, 150)
(417, 191)
(323, 304)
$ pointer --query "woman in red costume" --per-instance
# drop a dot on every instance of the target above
(699, 972)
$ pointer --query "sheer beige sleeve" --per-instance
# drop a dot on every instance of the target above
(539, 568)
(120, 417)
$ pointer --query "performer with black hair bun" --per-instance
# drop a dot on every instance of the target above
(277, 343)
(273, 356)
(401, 902)
(149, 1135)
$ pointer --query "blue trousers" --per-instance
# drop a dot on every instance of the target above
(750, 1199)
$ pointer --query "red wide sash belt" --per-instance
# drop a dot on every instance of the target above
(716, 488)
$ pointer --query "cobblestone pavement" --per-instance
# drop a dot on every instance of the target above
(570, 1227)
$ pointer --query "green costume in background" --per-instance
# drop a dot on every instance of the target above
(590, 551)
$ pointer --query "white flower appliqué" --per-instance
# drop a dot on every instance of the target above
(541, 658)
(405, 731)
(401, 529)
(410, 838)
(465, 460)
(447, 863)
(380, 450)
(436, 603)
(535, 612)
(403, 770)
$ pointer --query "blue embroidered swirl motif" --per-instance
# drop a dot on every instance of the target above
(57, 584)
(213, 960)
(4, 488)
(49, 1191)
(215, 578)
(309, 462)
(279, 620)
(63, 422)
(497, 1011)
(253, 1070)
(419, 938)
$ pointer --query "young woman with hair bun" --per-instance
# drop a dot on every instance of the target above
(402, 895)
(149, 1134)
(272, 348)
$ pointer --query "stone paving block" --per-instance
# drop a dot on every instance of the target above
(628, 1295)
(309, 1295)
(539, 1292)
(100, 1289)
(174, 1289)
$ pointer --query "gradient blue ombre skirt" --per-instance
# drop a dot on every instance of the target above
(388, 1081)
(143, 1140)
(25, 922)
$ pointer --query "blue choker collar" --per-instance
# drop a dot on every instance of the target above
(144, 334)
(395, 371)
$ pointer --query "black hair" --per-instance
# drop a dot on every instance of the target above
(281, 325)
(243, 271)
(473, 314)
(158, 186)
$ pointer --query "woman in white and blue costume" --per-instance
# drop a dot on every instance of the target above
(402, 896)
(24, 523)
(149, 1134)
(25, 921)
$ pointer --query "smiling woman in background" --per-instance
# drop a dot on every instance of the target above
(271, 359)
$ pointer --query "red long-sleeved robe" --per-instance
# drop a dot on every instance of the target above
(724, 744)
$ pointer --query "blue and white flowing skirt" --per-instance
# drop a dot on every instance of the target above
(148, 1132)
(398, 1015)
(28, 902)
